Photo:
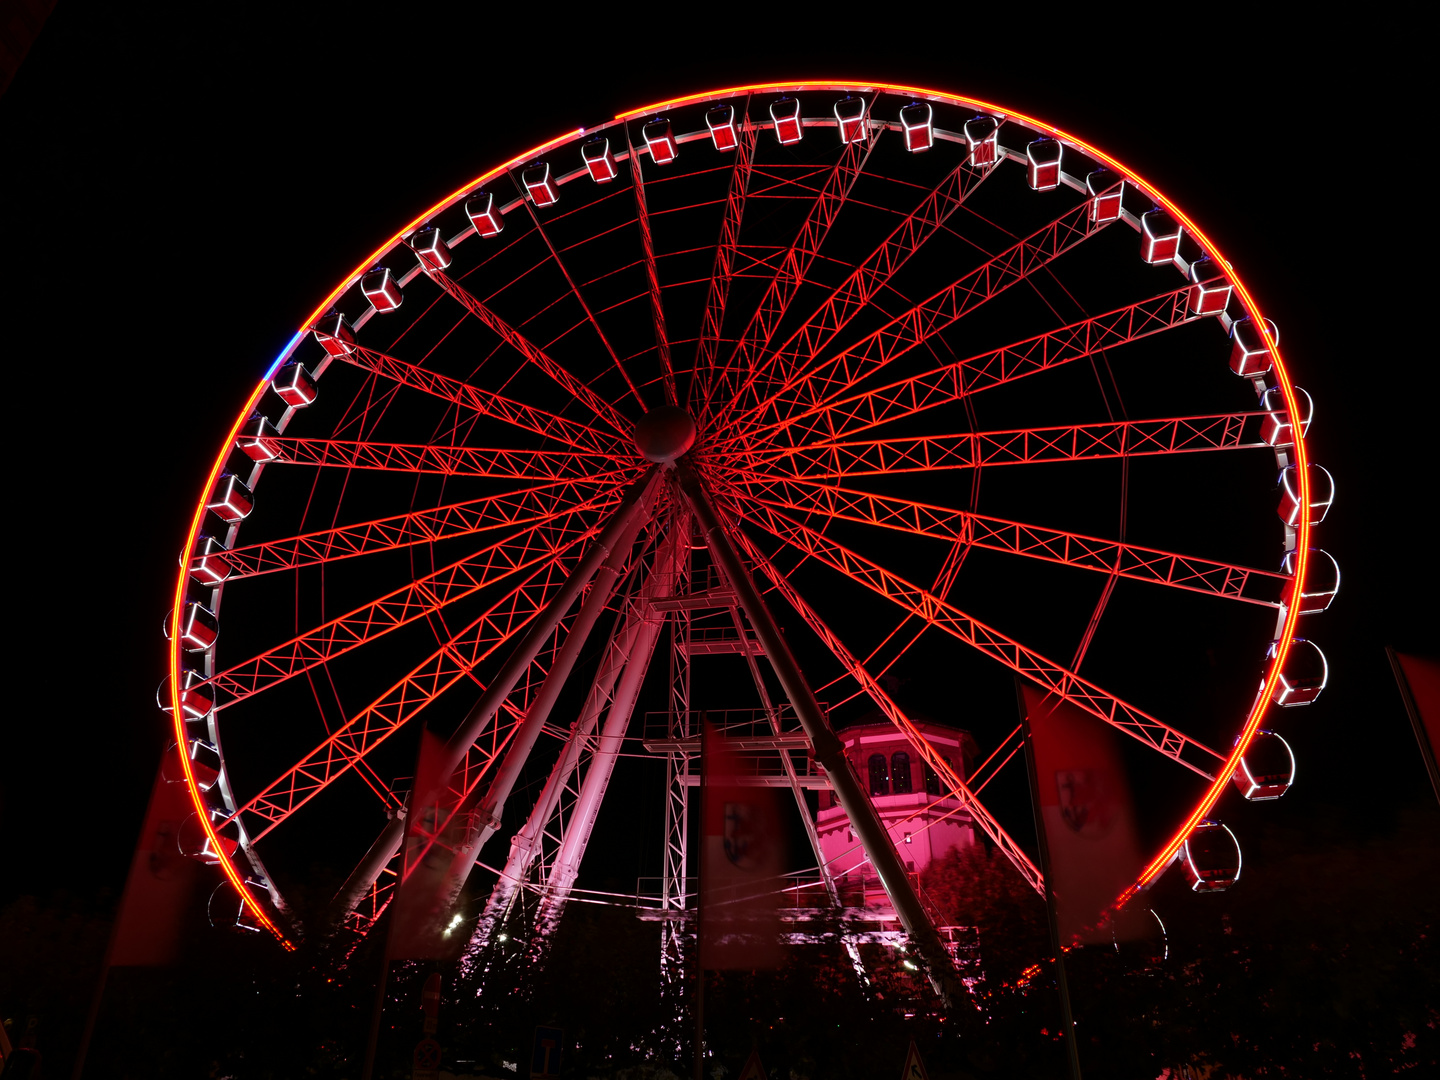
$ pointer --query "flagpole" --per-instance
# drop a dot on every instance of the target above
(1066, 1017)
(700, 913)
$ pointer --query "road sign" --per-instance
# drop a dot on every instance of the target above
(426, 1063)
(753, 1070)
(545, 1061)
(914, 1067)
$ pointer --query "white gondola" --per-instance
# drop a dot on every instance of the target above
(430, 248)
(231, 501)
(210, 566)
(540, 184)
(381, 289)
(1211, 856)
(850, 118)
(1249, 351)
(1042, 164)
(196, 698)
(785, 115)
(1106, 196)
(1322, 580)
(599, 160)
(1322, 494)
(1159, 237)
(258, 439)
(484, 214)
(1210, 288)
(721, 122)
(335, 335)
(1276, 428)
(295, 385)
(983, 140)
(1304, 677)
(917, 121)
(1267, 770)
(661, 141)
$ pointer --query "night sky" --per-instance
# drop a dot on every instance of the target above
(179, 190)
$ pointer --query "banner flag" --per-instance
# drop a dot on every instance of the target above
(161, 883)
(1419, 679)
(1089, 817)
(742, 863)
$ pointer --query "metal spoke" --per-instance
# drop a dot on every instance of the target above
(838, 417)
(579, 297)
(861, 286)
(485, 402)
(727, 248)
(657, 303)
(990, 642)
(524, 507)
(533, 353)
(745, 357)
(1131, 561)
(1021, 446)
(491, 462)
(537, 546)
(877, 693)
(822, 381)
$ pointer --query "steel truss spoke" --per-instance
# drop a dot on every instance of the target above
(834, 419)
(817, 383)
(861, 286)
(868, 684)
(536, 546)
(657, 302)
(1023, 446)
(485, 402)
(727, 249)
(548, 830)
(533, 353)
(745, 358)
(988, 641)
(1016, 538)
(575, 291)
(491, 462)
(452, 662)
(530, 506)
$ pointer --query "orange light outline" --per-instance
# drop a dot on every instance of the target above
(1257, 712)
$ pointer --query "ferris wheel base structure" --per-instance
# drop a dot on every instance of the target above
(641, 382)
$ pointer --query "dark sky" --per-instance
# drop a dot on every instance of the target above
(178, 191)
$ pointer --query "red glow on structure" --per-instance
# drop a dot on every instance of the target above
(1299, 564)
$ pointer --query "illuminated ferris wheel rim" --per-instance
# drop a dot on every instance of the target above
(1291, 605)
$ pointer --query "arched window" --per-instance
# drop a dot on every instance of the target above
(900, 771)
(879, 782)
(933, 785)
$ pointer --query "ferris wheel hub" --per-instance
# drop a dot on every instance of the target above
(664, 433)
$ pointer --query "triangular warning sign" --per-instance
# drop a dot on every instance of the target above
(753, 1070)
(914, 1067)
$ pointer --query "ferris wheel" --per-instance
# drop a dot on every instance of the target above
(815, 377)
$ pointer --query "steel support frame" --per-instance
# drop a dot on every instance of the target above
(528, 845)
(540, 627)
(657, 302)
(829, 752)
